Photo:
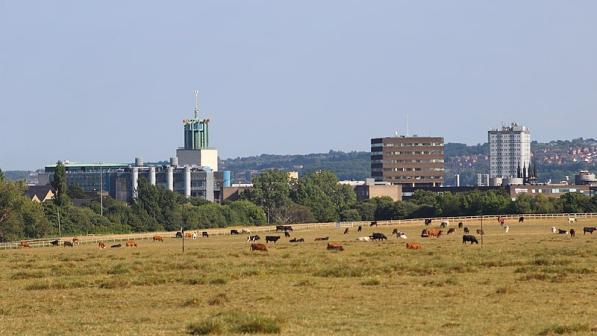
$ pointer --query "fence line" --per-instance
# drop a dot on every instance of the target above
(94, 239)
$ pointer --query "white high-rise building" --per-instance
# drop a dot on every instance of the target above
(509, 151)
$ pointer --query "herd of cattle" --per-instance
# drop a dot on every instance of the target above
(427, 232)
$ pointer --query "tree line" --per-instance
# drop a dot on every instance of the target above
(315, 197)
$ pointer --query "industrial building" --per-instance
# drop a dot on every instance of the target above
(509, 151)
(193, 172)
(408, 160)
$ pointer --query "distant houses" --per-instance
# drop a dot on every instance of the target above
(40, 194)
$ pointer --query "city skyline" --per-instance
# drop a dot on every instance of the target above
(90, 82)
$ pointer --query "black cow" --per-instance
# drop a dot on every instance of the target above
(374, 223)
(253, 238)
(295, 240)
(117, 245)
(67, 243)
(521, 219)
(280, 228)
(378, 236)
(204, 234)
(273, 239)
(469, 238)
(346, 231)
(572, 232)
(560, 231)
(466, 230)
(424, 233)
(286, 234)
(360, 228)
(588, 229)
(460, 225)
(55, 242)
(234, 232)
(427, 221)
(178, 235)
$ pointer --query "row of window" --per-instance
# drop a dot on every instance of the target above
(407, 161)
(413, 169)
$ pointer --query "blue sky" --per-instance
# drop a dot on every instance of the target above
(107, 81)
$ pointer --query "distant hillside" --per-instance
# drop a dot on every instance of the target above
(555, 160)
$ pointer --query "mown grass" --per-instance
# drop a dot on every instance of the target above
(517, 284)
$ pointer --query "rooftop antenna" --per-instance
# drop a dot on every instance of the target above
(407, 124)
(196, 92)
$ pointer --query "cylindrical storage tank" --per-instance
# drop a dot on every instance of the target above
(170, 178)
(138, 162)
(187, 181)
(174, 161)
(152, 175)
(227, 178)
(458, 180)
(134, 181)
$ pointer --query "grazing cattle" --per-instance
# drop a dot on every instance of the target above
(572, 232)
(131, 243)
(245, 231)
(191, 235)
(258, 247)
(286, 234)
(502, 221)
(67, 243)
(359, 229)
(414, 246)
(364, 239)
(427, 221)
(116, 246)
(571, 220)
(346, 231)
(466, 230)
(451, 230)
(24, 244)
(204, 234)
(434, 233)
(444, 224)
(158, 238)
(480, 232)
(521, 219)
(272, 239)
(377, 236)
(424, 233)
(460, 225)
(253, 238)
(322, 238)
(399, 234)
(55, 242)
(560, 231)
(553, 229)
(234, 232)
(588, 229)
(295, 240)
(178, 234)
(335, 246)
(374, 223)
(283, 228)
(469, 238)
(506, 228)
(76, 241)
(101, 245)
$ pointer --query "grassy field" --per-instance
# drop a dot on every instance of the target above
(526, 282)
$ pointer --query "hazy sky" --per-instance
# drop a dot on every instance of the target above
(107, 81)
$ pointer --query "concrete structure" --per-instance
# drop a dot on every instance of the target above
(548, 190)
(483, 180)
(414, 161)
(371, 189)
(585, 178)
(509, 151)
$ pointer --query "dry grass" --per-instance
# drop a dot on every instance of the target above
(526, 282)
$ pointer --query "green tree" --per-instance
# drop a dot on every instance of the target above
(350, 215)
(19, 216)
(1, 176)
(244, 212)
(59, 184)
(270, 190)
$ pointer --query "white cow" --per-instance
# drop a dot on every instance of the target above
(506, 228)
(554, 230)
(571, 220)
(363, 239)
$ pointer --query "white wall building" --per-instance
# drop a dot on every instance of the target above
(509, 150)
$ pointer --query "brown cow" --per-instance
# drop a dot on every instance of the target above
(101, 245)
(158, 238)
(131, 243)
(322, 238)
(480, 232)
(346, 231)
(24, 244)
(76, 241)
(434, 232)
(451, 230)
(414, 246)
(258, 247)
(335, 246)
